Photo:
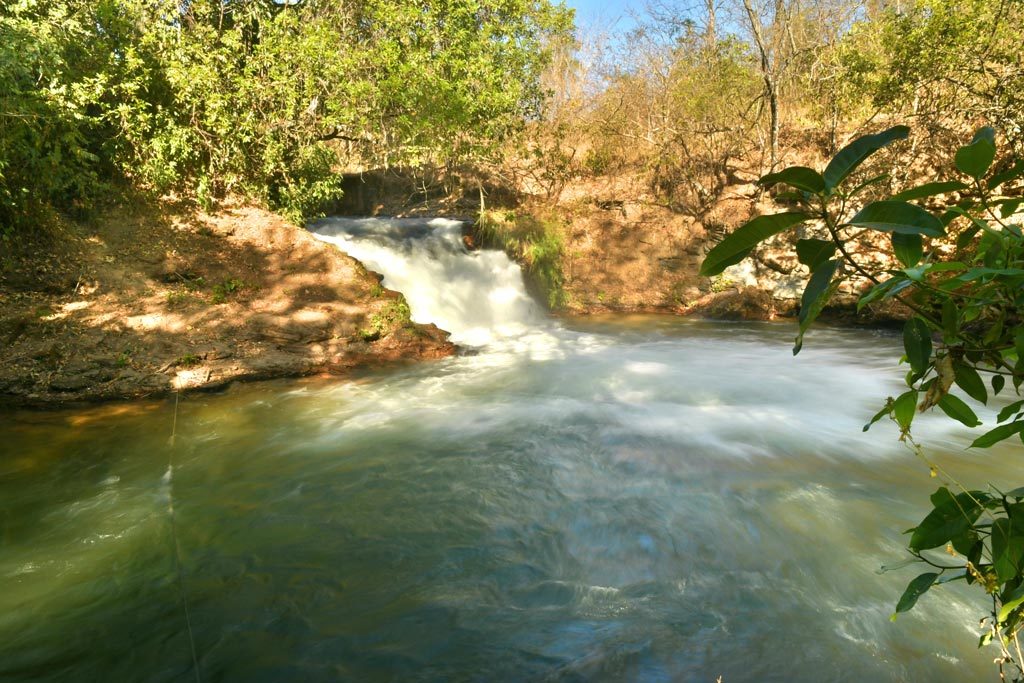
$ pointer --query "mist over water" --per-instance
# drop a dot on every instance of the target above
(622, 499)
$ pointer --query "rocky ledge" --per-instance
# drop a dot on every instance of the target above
(156, 298)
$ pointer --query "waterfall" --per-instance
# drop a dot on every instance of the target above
(477, 296)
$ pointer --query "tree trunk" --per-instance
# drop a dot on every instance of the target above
(710, 37)
(771, 90)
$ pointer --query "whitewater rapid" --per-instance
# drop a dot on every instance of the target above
(477, 296)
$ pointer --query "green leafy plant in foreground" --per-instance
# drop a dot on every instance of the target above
(964, 336)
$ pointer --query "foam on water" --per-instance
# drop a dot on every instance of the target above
(662, 388)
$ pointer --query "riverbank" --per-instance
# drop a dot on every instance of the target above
(157, 297)
(609, 245)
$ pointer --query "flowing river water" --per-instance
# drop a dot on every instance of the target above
(625, 499)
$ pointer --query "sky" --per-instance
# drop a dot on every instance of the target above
(610, 15)
(614, 18)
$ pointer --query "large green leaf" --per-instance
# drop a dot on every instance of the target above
(1012, 602)
(894, 216)
(1007, 548)
(1008, 411)
(737, 245)
(968, 379)
(929, 190)
(812, 252)
(850, 157)
(886, 409)
(917, 273)
(868, 183)
(964, 238)
(976, 158)
(1012, 173)
(917, 342)
(915, 589)
(904, 408)
(817, 293)
(1009, 207)
(800, 177)
(965, 544)
(951, 517)
(958, 410)
(816, 286)
(908, 248)
(998, 434)
(883, 290)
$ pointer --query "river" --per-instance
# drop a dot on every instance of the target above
(620, 499)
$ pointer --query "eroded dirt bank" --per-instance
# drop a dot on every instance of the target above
(156, 298)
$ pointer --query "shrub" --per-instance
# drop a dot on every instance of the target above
(966, 322)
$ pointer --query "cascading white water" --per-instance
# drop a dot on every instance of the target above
(480, 298)
(477, 296)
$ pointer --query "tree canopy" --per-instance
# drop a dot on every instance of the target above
(254, 96)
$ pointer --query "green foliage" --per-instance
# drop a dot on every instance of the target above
(535, 242)
(222, 291)
(721, 283)
(394, 314)
(45, 155)
(189, 360)
(737, 245)
(967, 321)
(252, 96)
(853, 155)
(599, 161)
(897, 217)
(176, 298)
(957, 60)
